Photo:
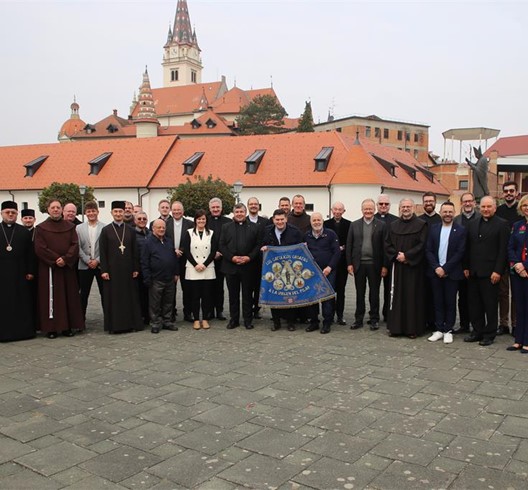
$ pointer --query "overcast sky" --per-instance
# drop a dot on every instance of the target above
(445, 64)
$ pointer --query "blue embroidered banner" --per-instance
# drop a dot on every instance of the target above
(291, 278)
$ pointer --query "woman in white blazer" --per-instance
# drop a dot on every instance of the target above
(199, 246)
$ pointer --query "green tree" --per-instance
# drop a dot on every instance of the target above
(263, 115)
(306, 122)
(196, 195)
(65, 193)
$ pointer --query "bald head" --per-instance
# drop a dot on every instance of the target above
(338, 209)
(158, 228)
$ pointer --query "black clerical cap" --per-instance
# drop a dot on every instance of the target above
(9, 205)
(118, 205)
(27, 212)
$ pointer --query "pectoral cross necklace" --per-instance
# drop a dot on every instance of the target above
(9, 247)
(122, 239)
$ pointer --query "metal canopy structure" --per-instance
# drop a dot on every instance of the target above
(468, 134)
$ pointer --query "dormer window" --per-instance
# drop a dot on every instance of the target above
(34, 165)
(411, 171)
(388, 166)
(89, 128)
(427, 173)
(112, 128)
(189, 165)
(253, 161)
(195, 124)
(99, 162)
(322, 158)
(210, 124)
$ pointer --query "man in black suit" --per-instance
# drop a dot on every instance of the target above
(366, 262)
(386, 217)
(253, 206)
(215, 221)
(176, 227)
(340, 225)
(240, 247)
(485, 262)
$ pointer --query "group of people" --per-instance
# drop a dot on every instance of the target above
(423, 262)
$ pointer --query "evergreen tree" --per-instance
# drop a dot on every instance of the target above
(196, 195)
(306, 122)
(264, 115)
(65, 193)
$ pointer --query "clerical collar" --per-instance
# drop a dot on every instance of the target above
(430, 215)
(117, 224)
(7, 224)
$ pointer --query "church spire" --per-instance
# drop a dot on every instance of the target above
(147, 120)
(182, 32)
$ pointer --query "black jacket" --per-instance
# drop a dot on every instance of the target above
(239, 239)
(355, 242)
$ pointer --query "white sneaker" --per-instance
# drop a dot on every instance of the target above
(448, 338)
(436, 336)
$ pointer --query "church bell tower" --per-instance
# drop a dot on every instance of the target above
(182, 62)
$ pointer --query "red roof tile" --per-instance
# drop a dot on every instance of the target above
(509, 146)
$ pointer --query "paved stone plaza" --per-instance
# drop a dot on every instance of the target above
(225, 409)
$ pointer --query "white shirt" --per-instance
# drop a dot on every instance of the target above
(444, 242)
(177, 233)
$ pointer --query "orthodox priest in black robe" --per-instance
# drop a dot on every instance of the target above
(119, 270)
(16, 274)
(57, 249)
(405, 249)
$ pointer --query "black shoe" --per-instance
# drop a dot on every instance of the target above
(472, 338)
(502, 330)
(374, 325)
(249, 326)
(51, 335)
(155, 330)
(188, 318)
(291, 327)
(513, 348)
(257, 316)
(369, 322)
(232, 324)
(172, 328)
(325, 329)
(340, 321)
(485, 342)
(357, 324)
(312, 327)
(276, 325)
(221, 317)
(68, 333)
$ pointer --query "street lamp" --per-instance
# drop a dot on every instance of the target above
(82, 190)
(237, 189)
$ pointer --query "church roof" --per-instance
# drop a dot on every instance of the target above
(235, 99)
(73, 124)
(111, 126)
(182, 32)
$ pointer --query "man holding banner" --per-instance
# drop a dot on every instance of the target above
(323, 244)
(276, 235)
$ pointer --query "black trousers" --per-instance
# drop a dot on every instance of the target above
(367, 273)
(287, 313)
(340, 287)
(386, 293)
(217, 306)
(483, 306)
(463, 306)
(86, 277)
(444, 297)
(235, 282)
(161, 295)
(201, 295)
(256, 287)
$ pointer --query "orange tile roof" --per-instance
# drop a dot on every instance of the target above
(509, 146)
(184, 99)
(124, 128)
(132, 164)
(233, 100)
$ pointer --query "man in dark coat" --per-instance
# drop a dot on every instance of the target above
(298, 216)
(366, 261)
(340, 226)
(383, 206)
(17, 266)
(276, 235)
(405, 248)
(119, 270)
(484, 264)
(240, 247)
(215, 221)
(446, 245)
(142, 233)
(57, 248)
(323, 244)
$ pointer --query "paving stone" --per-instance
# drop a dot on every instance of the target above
(147, 436)
(251, 383)
(238, 398)
(140, 480)
(130, 423)
(94, 483)
(53, 459)
(224, 416)
(458, 390)
(469, 407)
(259, 471)
(509, 407)
(415, 426)
(168, 450)
(120, 464)
(408, 406)
(475, 477)
(348, 402)
(448, 465)
(339, 421)
(71, 476)
(340, 446)
(272, 442)
(283, 418)
(522, 452)
(188, 397)
(7, 469)
(497, 376)
(19, 404)
(11, 449)
(480, 428)
(495, 390)
(406, 476)
(120, 410)
(518, 467)
(408, 388)
(35, 427)
(210, 439)
(408, 449)
(515, 426)
(139, 394)
(44, 442)
(189, 468)
(26, 479)
(291, 400)
(217, 484)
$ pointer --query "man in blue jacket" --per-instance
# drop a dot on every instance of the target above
(446, 244)
(160, 269)
(323, 244)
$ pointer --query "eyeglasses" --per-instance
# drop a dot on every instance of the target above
(141, 219)
(383, 203)
(10, 211)
(468, 201)
(509, 191)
